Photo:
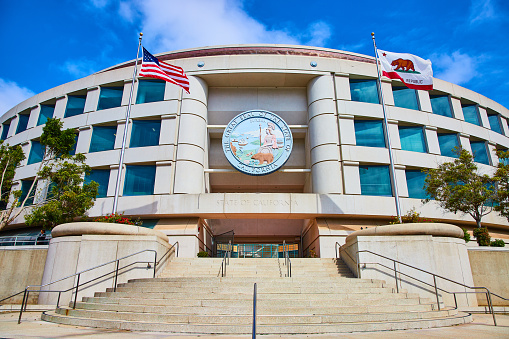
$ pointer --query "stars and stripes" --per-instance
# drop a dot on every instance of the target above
(153, 68)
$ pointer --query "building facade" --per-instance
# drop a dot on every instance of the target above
(177, 178)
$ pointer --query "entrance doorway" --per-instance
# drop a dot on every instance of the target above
(258, 250)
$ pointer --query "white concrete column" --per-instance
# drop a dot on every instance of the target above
(168, 126)
(424, 101)
(465, 142)
(401, 180)
(492, 153)
(120, 135)
(13, 126)
(351, 177)
(113, 181)
(323, 136)
(60, 107)
(25, 147)
(432, 140)
(84, 139)
(346, 129)
(34, 116)
(342, 82)
(457, 110)
(92, 99)
(127, 91)
(163, 178)
(394, 134)
(191, 146)
(387, 91)
(505, 128)
(484, 117)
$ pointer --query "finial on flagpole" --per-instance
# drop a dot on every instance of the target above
(373, 35)
(141, 34)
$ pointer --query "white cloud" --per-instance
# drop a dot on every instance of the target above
(12, 94)
(457, 68)
(171, 25)
(99, 3)
(79, 68)
(482, 10)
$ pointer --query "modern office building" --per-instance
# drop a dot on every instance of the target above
(180, 177)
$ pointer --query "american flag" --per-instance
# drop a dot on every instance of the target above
(153, 68)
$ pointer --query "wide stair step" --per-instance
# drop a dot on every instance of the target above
(322, 296)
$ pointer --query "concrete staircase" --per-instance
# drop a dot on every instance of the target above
(322, 296)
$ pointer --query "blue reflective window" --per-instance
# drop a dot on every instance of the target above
(139, 180)
(25, 191)
(369, 133)
(5, 129)
(110, 97)
(145, 133)
(415, 184)
(495, 123)
(364, 91)
(480, 152)
(102, 177)
(36, 153)
(75, 105)
(448, 141)
(103, 138)
(471, 114)
(22, 122)
(150, 91)
(45, 113)
(405, 97)
(375, 180)
(412, 138)
(49, 193)
(441, 105)
(73, 149)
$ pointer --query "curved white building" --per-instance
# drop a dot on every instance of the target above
(178, 179)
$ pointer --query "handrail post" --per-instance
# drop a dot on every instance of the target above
(22, 305)
(26, 301)
(178, 245)
(490, 304)
(58, 300)
(116, 277)
(396, 277)
(76, 294)
(455, 300)
(436, 291)
(358, 266)
(155, 263)
(254, 312)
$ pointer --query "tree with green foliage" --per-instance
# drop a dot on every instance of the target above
(10, 158)
(458, 186)
(502, 178)
(67, 196)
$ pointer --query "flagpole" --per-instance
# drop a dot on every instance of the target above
(387, 138)
(126, 126)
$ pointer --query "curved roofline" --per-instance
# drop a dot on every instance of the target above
(254, 49)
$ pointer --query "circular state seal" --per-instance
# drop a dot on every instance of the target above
(257, 142)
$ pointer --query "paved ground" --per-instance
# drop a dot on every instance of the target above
(33, 327)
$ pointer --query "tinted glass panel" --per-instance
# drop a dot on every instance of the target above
(73, 149)
(22, 123)
(110, 97)
(36, 153)
(50, 194)
(150, 91)
(364, 91)
(75, 105)
(369, 133)
(471, 114)
(405, 98)
(145, 133)
(441, 105)
(447, 142)
(102, 177)
(139, 180)
(415, 184)
(479, 151)
(103, 138)
(412, 139)
(495, 123)
(45, 113)
(375, 180)
(5, 129)
(25, 189)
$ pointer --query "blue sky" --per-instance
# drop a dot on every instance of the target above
(48, 43)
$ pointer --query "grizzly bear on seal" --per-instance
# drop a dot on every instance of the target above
(263, 157)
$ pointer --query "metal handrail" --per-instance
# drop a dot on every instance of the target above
(288, 262)
(226, 260)
(254, 312)
(435, 276)
(78, 274)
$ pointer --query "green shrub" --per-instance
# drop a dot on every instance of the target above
(483, 236)
(412, 216)
(497, 243)
(203, 254)
(466, 235)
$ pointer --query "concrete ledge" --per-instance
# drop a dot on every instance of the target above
(102, 228)
(433, 229)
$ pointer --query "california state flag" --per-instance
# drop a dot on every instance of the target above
(415, 72)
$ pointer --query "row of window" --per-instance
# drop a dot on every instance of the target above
(109, 97)
(139, 180)
(375, 180)
(144, 133)
(371, 133)
(367, 91)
